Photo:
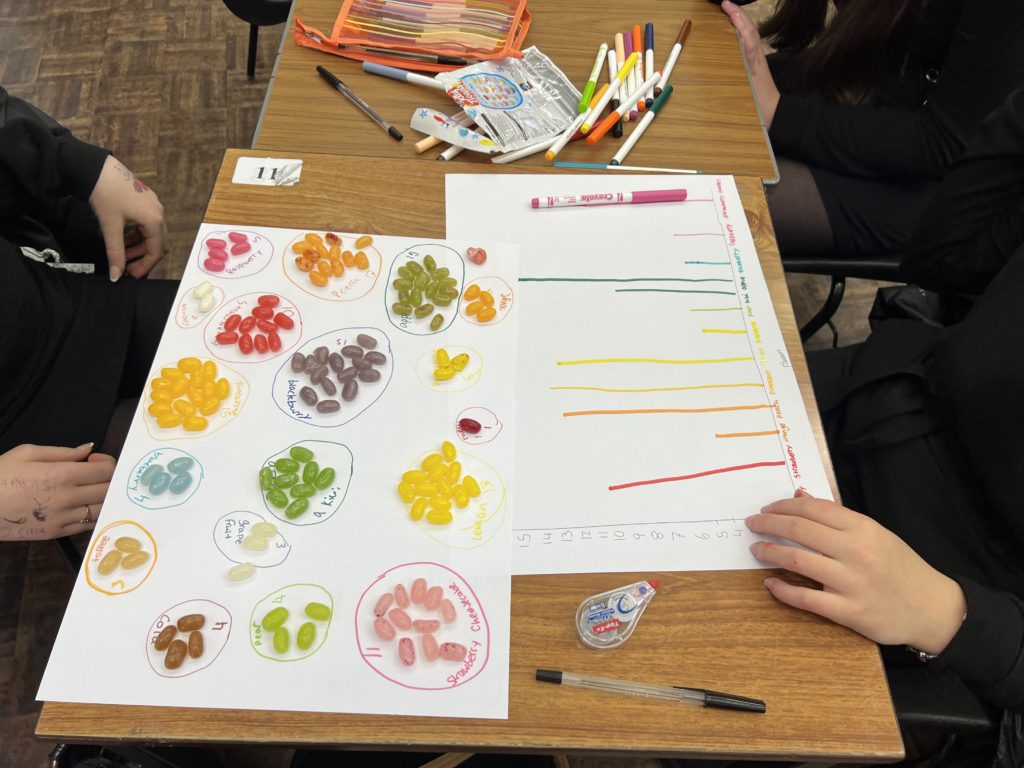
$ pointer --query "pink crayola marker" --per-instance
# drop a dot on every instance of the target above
(611, 198)
(607, 620)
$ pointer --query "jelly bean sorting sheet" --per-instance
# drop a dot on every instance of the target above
(656, 403)
(312, 510)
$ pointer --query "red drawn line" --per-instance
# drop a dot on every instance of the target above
(698, 474)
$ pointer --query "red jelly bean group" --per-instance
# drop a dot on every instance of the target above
(263, 318)
(217, 250)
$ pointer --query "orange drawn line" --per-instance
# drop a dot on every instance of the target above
(667, 410)
(747, 434)
(697, 474)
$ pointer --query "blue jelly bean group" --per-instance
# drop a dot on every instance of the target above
(176, 478)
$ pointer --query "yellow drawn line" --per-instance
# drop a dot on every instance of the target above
(723, 330)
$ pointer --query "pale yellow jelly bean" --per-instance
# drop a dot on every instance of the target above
(194, 423)
(431, 461)
(447, 610)
(241, 572)
(418, 591)
(128, 544)
(441, 357)
(448, 451)
(134, 560)
(437, 517)
(190, 364)
(255, 543)
(363, 242)
(109, 563)
(472, 487)
(266, 530)
(419, 507)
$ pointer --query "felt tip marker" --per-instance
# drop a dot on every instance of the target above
(634, 137)
(402, 74)
(612, 119)
(673, 55)
(649, 60)
(638, 46)
(613, 69)
(612, 91)
(611, 198)
(588, 89)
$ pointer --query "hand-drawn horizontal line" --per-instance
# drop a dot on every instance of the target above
(697, 234)
(741, 332)
(670, 290)
(747, 434)
(712, 263)
(656, 360)
(697, 474)
(626, 412)
(665, 389)
(624, 280)
(718, 520)
(715, 309)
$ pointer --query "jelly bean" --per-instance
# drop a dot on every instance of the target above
(473, 307)
(268, 300)
(216, 242)
(328, 406)
(150, 472)
(184, 408)
(414, 476)
(407, 651)
(308, 395)
(306, 636)
(471, 292)
(402, 284)
(439, 517)
(313, 239)
(448, 451)
(304, 264)
(487, 298)
(245, 343)
(159, 409)
(266, 530)
(195, 644)
(369, 375)
(383, 603)
(447, 610)
(318, 611)
(260, 343)
(335, 362)
(255, 543)
(444, 373)
(436, 322)
(454, 472)
(214, 265)
(332, 238)
(418, 591)
(430, 649)
(180, 483)
(300, 453)
(274, 341)
(470, 426)
(461, 496)
(303, 491)
(459, 362)
(262, 313)
(351, 351)
(223, 388)
(209, 407)
(432, 601)
(425, 489)
(400, 618)
(486, 314)
(266, 326)
(176, 653)
(194, 423)
(168, 420)
(415, 297)
(426, 625)
(382, 627)
(160, 483)
(274, 618)
(180, 464)
(349, 374)
(364, 241)
(241, 572)
(207, 303)
(361, 364)
(282, 640)
(238, 237)
(324, 267)
(283, 321)
(419, 507)
(438, 474)
(407, 492)
(266, 479)
(348, 259)
(421, 282)
(366, 341)
(239, 248)
(277, 497)
(401, 308)
(297, 508)
(401, 596)
(362, 260)
(190, 622)
(318, 374)
(476, 255)
(472, 487)
(163, 640)
(328, 387)
(324, 479)
(318, 279)
(190, 365)
(286, 480)
(109, 562)
(286, 465)
(453, 651)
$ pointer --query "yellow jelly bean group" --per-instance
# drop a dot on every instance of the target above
(445, 367)
(431, 489)
(480, 303)
(184, 396)
(322, 261)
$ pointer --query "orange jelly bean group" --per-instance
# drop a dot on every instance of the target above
(322, 257)
(480, 303)
(185, 395)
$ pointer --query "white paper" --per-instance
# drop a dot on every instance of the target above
(355, 543)
(678, 283)
(267, 171)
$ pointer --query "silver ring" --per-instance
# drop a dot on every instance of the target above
(88, 514)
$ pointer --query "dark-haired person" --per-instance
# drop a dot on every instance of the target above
(866, 109)
(73, 342)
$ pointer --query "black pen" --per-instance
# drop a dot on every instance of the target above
(671, 693)
(345, 91)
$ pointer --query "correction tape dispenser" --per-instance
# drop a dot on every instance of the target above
(607, 620)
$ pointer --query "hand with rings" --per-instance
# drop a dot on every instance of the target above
(47, 491)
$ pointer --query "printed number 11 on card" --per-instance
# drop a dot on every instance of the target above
(267, 171)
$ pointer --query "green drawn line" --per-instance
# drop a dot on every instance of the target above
(624, 280)
(716, 309)
(715, 263)
(670, 290)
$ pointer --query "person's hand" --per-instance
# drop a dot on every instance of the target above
(120, 199)
(47, 492)
(873, 581)
(765, 90)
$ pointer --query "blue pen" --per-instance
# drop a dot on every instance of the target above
(649, 59)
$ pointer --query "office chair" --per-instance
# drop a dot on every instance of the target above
(258, 13)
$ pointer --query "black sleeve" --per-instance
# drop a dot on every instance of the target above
(984, 62)
(975, 220)
(988, 651)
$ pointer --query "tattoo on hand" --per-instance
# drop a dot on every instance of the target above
(19, 521)
(39, 513)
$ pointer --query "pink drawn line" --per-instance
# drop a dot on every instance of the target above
(698, 474)
(698, 234)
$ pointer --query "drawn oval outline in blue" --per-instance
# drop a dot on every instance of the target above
(138, 469)
(416, 253)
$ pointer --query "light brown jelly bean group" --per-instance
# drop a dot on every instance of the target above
(391, 617)
(127, 554)
(176, 649)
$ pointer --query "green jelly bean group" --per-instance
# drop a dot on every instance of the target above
(274, 621)
(422, 287)
(281, 479)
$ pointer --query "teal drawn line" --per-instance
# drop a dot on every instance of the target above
(716, 309)
(624, 280)
(669, 290)
(716, 263)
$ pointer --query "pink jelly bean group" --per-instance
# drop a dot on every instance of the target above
(391, 617)
(217, 250)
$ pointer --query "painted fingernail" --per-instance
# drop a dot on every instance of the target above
(115, 274)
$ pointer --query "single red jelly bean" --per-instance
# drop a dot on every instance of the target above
(214, 265)
(247, 325)
(239, 248)
(470, 426)
(215, 242)
(232, 321)
(227, 337)
(476, 255)
(263, 312)
(274, 341)
(265, 325)
(238, 237)
(283, 321)
(217, 253)
(269, 300)
(260, 342)
(245, 343)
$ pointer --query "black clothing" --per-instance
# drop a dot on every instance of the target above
(876, 166)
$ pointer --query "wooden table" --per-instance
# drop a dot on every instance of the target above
(824, 685)
(711, 123)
